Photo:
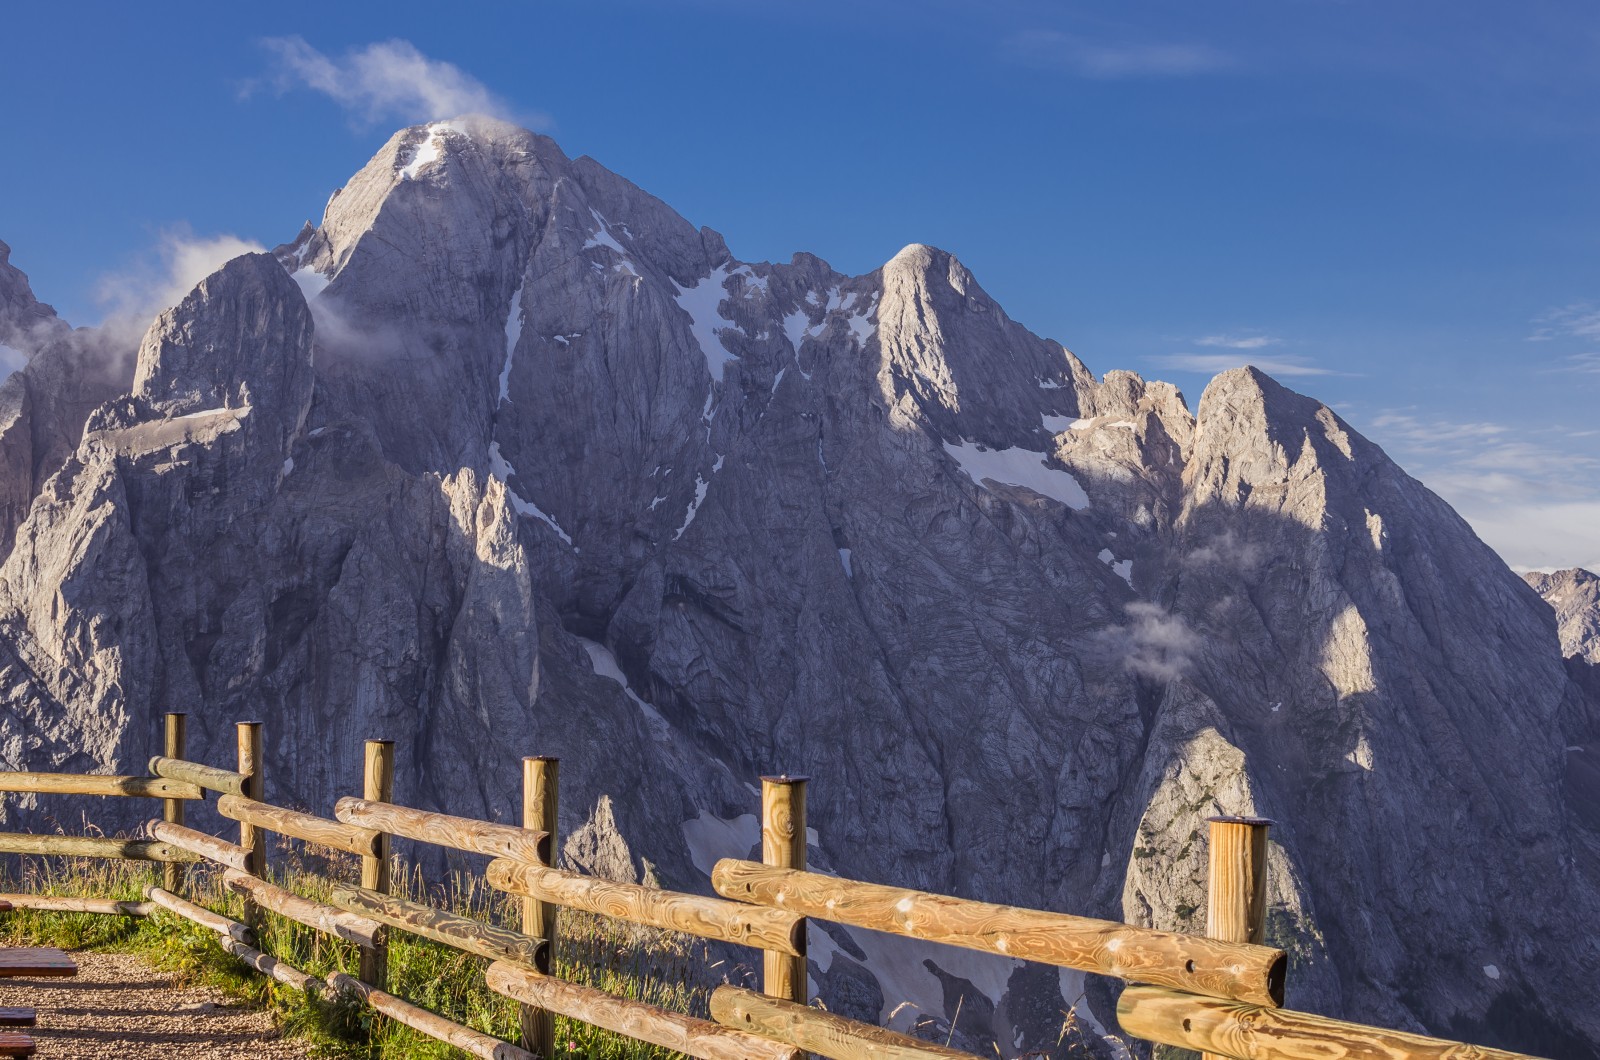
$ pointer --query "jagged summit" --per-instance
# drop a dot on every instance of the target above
(546, 459)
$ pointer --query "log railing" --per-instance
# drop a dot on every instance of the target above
(1220, 994)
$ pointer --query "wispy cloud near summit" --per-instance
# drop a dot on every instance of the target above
(1085, 57)
(389, 80)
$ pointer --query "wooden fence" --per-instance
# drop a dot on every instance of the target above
(1221, 994)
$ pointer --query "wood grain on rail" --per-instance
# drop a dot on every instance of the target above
(440, 829)
(1201, 966)
(351, 927)
(199, 915)
(55, 904)
(206, 846)
(1251, 1032)
(712, 918)
(461, 932)
(350, 838)
(684, 1034)
(81, 846)
(224, 781)
(433, 1025)
(97, 784)
(819, 1032)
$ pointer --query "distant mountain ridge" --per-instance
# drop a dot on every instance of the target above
(504, 447)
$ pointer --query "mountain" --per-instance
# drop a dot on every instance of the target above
(506, 457)
(1575, 596)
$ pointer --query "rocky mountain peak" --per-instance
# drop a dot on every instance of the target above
(1574, 594)
(240, 340)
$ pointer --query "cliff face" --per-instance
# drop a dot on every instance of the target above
(506, 457)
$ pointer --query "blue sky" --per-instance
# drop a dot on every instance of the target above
(1391, 206)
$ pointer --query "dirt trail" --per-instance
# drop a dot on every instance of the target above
(119, 1007)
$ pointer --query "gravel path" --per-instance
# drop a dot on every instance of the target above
(118, 1006)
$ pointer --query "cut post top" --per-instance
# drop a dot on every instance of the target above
(1257, 822)
(786, 778)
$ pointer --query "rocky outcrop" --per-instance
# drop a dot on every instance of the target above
(1575, 596)
(507, 457)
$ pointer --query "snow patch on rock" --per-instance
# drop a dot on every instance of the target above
(712, 838)
(1018, 467)
(706, 322)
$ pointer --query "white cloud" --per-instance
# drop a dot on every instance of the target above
(389, 80)
(1212, 363)
(1587, 363)
(160, 279)
(1155, 643)
(1580, 320)
(1237, 342)
(1529, 494)
(1104, 61)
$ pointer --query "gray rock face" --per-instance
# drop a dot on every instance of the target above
(509, 458)
(1575, 596)
(61, 375)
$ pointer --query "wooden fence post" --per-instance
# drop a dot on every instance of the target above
(541, 782)
(783, 845)
(1236, 891)
(252, 838)
(377, 785)
(172, 809)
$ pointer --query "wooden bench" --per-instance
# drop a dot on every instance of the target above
(35, 962)
(18, 1017)
(15, 1044)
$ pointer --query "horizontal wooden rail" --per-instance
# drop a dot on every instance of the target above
(198, 915)
(1200, 966)
(81, 846)
(684, 1034)
(711, 918)
(206, 846)
(271, 967)
(224, 781)
(460, 932)
(348, 926)
(819, 1032)
(1251, 1032)
(347, 837)
(50, 903)
(433, 1025)
(99, 784)
(441, 829)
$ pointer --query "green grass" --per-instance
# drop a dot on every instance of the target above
(668, 970)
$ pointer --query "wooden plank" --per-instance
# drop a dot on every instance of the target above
(470, 936)
(440, 829)
(1201, 966)
(206, 846)
(99, 784)
(271, 967)
(1252, 1032)
(684, 1034)
(52, 904)
(711, 918)
(433, 1025)
(36, 962)
(347, 837)
(18, 1017)
(819, 1032)
(1236, 883)
(15, 1043)
(541, 798)
(250, 755)
(175, 733)
(204, 917)
(324, 918)
(79, 846)
(783, 844)
(224, 781)
(377, 787)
